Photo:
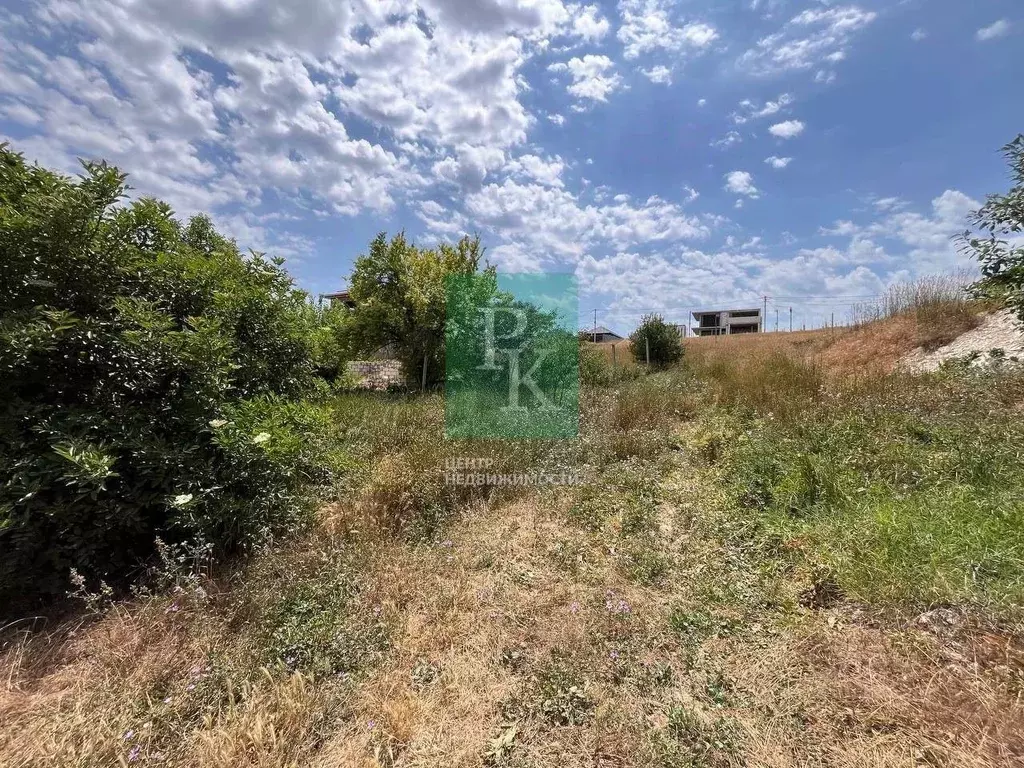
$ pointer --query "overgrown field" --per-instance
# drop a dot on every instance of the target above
(766, 564)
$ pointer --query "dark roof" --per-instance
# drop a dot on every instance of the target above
(343, 295)
(599, 330)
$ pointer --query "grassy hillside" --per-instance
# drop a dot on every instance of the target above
(775, 559)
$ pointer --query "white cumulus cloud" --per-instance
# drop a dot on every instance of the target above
(995, 30)
(646, 25)
(593, 76)
(788, 129)
(659, 74)
(741, 183)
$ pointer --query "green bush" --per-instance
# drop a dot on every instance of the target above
(658, 338)
(146, 371)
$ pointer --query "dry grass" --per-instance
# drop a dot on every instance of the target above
(870, 349)
(270, 722)
(854, 695)
(484, 619)
(613, 625)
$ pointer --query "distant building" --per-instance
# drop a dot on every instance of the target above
(600, 334)
(726, 322)
(341, 297)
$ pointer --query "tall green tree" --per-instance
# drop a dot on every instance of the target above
(662, 339)
(997, 241)
(399, 293)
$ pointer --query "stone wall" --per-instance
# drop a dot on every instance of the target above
(376, 374)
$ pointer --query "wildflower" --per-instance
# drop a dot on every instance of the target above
(167, 700)
(574, 607)
(261, 438)
(190, 687)
(173, 608)
(128, 734)
(182, 499)
(613, 655)
(370, 724)
(133, 755)
(218, 423)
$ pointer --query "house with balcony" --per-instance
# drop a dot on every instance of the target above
(726, 322)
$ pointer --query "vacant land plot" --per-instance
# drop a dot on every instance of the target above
(768, 562)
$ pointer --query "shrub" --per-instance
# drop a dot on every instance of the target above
(660, 338)
(601, 366)
(145, 371)
(595, 368)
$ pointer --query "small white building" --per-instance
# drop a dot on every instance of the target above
(725, 322)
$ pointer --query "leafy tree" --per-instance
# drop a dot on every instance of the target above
(998, 244)
(666, 348)
(148, 372)
(329, 341)
(399, 293)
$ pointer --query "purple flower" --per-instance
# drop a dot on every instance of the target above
(574, 607)
(134, 754)
(614, 655)
(128, 734)
(370, 725)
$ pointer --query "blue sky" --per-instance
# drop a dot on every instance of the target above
(673, 155)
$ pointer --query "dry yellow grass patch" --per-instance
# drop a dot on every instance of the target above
(72, 695)
(841, 691)
(497, 588)
(866, 350)
(271, 723)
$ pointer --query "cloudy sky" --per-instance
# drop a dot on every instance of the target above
(674, 155)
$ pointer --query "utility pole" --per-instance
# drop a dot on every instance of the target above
(790, 319)
(595, 326)
(776, 319)
(764, 315)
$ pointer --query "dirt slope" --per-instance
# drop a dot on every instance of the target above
(997, 331)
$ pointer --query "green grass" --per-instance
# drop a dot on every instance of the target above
(910, 498)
